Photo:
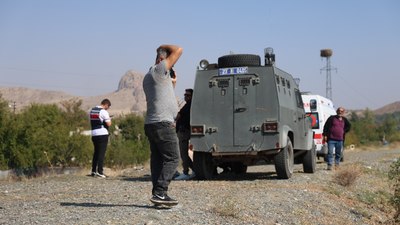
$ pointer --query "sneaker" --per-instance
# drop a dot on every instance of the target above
(163, 199)
(329, 167)
(101, 175)
(92, 174)
(182, 177)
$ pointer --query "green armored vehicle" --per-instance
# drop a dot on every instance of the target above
(243, 112)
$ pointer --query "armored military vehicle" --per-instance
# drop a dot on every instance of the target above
(244, 112)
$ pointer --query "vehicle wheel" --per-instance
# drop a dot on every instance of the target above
(284, 161)
(239, 60)
(309, 161)
(203, 165)
(239, 168)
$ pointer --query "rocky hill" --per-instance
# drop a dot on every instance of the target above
(128, 98)
(390, 108)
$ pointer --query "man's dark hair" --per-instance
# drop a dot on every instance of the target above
(106, 102)
(189, 90)
(163, 52)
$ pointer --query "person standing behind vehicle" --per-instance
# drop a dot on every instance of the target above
(183, 131)
(334, 133)
(100, 121)
(162, 107)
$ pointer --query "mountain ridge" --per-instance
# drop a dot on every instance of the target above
(128, 98)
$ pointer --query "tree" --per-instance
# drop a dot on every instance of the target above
(4, 118)
(128, 143)
(363, 128)
(45, 135)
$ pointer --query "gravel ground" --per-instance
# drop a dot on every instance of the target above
(255, 198)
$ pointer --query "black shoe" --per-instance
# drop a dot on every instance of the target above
(163, 200)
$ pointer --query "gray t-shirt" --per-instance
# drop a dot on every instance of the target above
(160, 96)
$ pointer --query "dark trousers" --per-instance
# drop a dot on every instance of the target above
(184, 137)
(100, 147)
(164, 154)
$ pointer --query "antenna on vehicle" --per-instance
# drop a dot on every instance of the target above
(297, 81)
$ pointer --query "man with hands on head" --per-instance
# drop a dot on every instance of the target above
(162, 108)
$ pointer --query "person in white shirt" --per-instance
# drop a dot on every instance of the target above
(100, 121)
(162, 108)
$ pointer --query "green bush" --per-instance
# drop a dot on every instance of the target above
(394, 176)
(4, 119)
(128, 143)
(43, 135)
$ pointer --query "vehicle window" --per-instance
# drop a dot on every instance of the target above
(299, 100)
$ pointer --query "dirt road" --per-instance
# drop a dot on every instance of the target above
(255, 198)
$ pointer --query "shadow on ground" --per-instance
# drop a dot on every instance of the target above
(99, 205)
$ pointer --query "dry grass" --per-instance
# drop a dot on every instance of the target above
(347, 175)
(227, 207)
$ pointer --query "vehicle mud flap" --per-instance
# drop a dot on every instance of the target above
(284, 161)
(203, 165)
(324, 149)
(239, 168)
(309, 160)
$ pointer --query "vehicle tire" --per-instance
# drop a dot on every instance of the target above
(239, 168)
(239, 60)
(203, 165)
(284, 161)
(309, 161)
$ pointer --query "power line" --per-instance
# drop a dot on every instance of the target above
(357, 92)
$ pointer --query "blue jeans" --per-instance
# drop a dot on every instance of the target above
(338, 146)
(164, 154)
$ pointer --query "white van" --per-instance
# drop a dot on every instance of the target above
(318, 109)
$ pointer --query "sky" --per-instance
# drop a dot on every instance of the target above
(84, 47)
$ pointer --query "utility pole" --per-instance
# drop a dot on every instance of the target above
(327, 53)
